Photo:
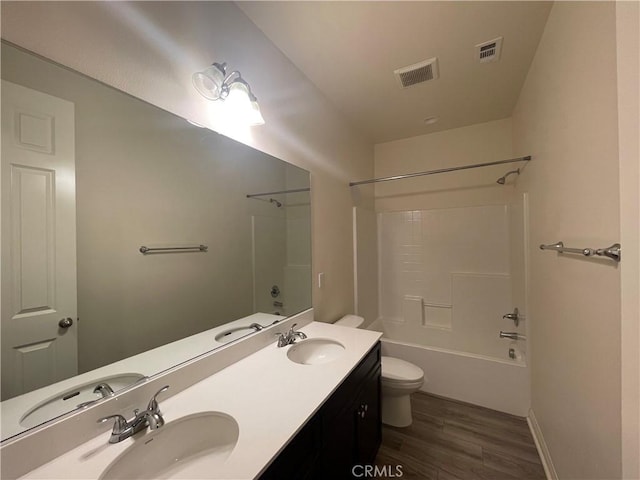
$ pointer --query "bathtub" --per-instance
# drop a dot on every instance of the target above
(498, 383)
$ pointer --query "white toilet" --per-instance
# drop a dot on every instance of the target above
(399, 380)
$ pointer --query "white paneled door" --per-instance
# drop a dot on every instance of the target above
(39, 305)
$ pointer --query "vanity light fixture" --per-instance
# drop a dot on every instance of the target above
(213, 83)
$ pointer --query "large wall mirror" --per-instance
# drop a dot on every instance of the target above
(90, 176)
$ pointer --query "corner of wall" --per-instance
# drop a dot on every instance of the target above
(541, 446)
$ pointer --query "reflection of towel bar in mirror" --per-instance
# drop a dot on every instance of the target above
(193, 248)
(613, 252)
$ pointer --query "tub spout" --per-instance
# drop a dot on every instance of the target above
(512, 335)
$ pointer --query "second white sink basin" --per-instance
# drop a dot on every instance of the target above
(190, 447)
(71, 398)
(314, 351)
(233, 334)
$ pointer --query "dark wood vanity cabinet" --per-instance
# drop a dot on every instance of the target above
(346, 431)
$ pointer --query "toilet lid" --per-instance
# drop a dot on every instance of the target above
(394, 369)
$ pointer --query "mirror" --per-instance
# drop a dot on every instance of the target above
(131, 240)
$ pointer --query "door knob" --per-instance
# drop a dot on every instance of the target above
(65, 322)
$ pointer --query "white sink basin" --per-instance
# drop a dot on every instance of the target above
(232, 334)
(73, 397)
(190, 447)
(314, 351)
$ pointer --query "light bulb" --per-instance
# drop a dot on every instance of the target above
(238, 97)
(242, 105)
(255, 117)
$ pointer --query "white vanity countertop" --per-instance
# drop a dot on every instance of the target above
(269, 396)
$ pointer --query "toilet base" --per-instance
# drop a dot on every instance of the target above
(396, 410)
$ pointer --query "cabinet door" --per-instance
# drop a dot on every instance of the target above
(368, 420)
(339, 443)
(299, 460)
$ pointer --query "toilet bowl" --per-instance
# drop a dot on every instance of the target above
(399, 380)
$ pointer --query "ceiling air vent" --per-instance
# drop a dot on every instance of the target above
(489, 51)
(417, 73)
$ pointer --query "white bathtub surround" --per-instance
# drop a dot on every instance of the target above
(445, 275)
(413, 310)
(269, 396)
(501, 385)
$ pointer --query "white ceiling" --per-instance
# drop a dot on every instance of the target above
(349, 50)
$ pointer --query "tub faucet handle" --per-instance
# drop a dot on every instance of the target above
(515, 316)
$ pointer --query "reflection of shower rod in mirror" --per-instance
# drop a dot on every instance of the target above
(194, 248)
(266, 194)
(273, 200)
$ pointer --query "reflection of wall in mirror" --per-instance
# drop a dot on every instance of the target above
(297, 273)
(147, 177)
(269, 260)
(282, 252)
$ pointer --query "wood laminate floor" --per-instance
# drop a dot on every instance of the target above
(451, 440)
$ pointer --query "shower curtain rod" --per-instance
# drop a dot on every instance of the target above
(294, 190)
(442, 170)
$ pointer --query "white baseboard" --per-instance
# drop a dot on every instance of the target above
(541, 445)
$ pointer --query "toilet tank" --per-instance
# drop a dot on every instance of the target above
(353, 321)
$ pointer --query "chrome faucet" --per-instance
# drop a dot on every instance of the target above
(289, 338)
(151, 417)
(256, 326)
(104, 389)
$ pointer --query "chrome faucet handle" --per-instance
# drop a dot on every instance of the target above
(120, 424)
(289, 338)
(515, 316)
(299, 334)
(104, 389)
(153, 403)
(151, 419)
(283, 339)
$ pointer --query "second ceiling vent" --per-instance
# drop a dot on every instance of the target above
(489, 51)
(417, 73)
